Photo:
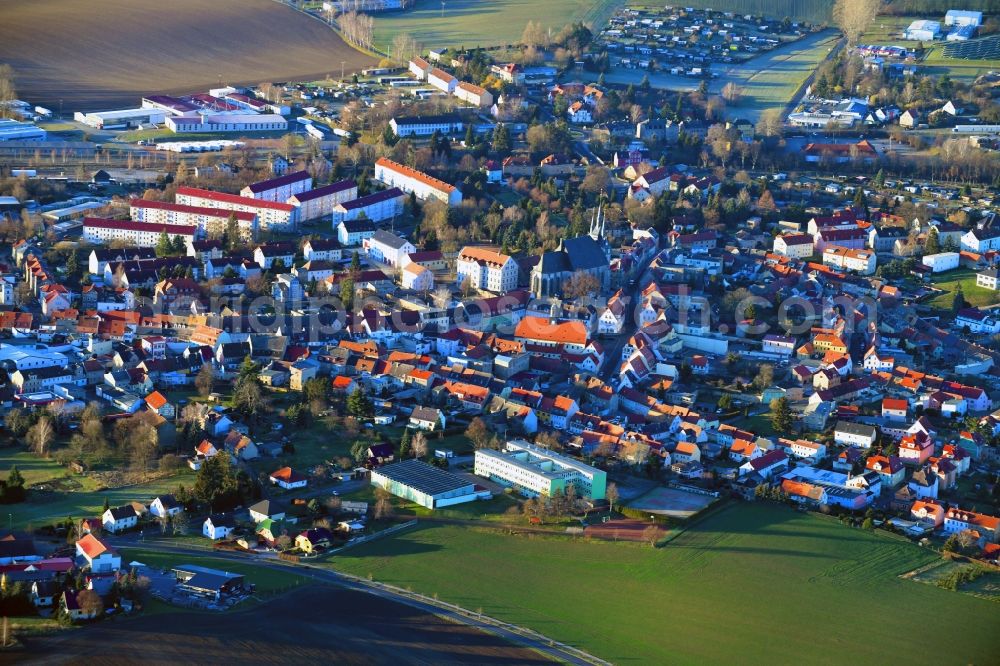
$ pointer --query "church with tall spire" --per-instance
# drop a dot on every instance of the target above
(588, 254)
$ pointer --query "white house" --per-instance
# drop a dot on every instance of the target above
(119, 518)
(288, 478)
(442, 80)
(134, 234)
(165, 505)
(855, 434)
(352, 233)
(426, 125)
(417, 277)
(98, 555)
(388, 248)
(218, 526)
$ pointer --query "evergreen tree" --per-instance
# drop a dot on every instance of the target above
(404, 443)
(501, 139)
(360, 405)
(233, 240)
(781, 416)
(179, 248)
(163, 245)
(933, 243)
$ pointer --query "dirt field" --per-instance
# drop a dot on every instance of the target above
(672, 502)
(97, 57)
(317, 625)
(620, 530)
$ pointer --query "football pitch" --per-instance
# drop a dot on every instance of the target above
(751, 584)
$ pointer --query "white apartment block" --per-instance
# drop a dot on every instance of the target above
(423, 186)
(271, 215)
(535, 471)
(473, 95)
(375, 207)
(420, 68)
(320, 202)
(281, 188)
(442, 80)
(208, 220)
(486, 269)
(135, 234)
(861, 262)
(794, 246)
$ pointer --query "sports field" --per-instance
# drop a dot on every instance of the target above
(671, 502)
(92, 57)
(752, 584)
(473, 23)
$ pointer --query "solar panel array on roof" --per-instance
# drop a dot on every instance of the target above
(423, 477)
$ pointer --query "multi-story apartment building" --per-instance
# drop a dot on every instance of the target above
(208, 220)
(271, 215)
(486, 269)
(417, 182)
(136, 234)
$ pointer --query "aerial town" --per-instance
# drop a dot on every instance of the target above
(506, 344)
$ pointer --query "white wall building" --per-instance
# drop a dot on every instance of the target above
(420, 184)
(486, 269)
(136, 234)
(942, 261)
(281, 188)
(849, 259)
(208, 220)
(218, 123)
(271, 215)
(386, 247)
(320, 202)
(535, 471)
(375, 207)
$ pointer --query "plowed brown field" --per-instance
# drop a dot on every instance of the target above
(98, 55)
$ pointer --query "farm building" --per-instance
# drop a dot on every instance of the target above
(424, 484)
(207, 582)
(962, 17)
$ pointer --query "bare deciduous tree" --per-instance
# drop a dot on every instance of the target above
(41, 434)
(854, 16)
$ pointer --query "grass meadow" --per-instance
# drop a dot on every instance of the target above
(966, 279)
(473, 23)
(751, 584)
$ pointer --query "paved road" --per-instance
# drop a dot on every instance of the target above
(516, 635)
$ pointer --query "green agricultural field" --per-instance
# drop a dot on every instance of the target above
(476, 23)
(752, 584)
(814, 11)
(966, 278)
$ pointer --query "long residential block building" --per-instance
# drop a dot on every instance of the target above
(320, 202)
(281, 188)
(375, 207)
(534, 471)
(208, 220)
(134, 234)
(420, 184)
(271, 215)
